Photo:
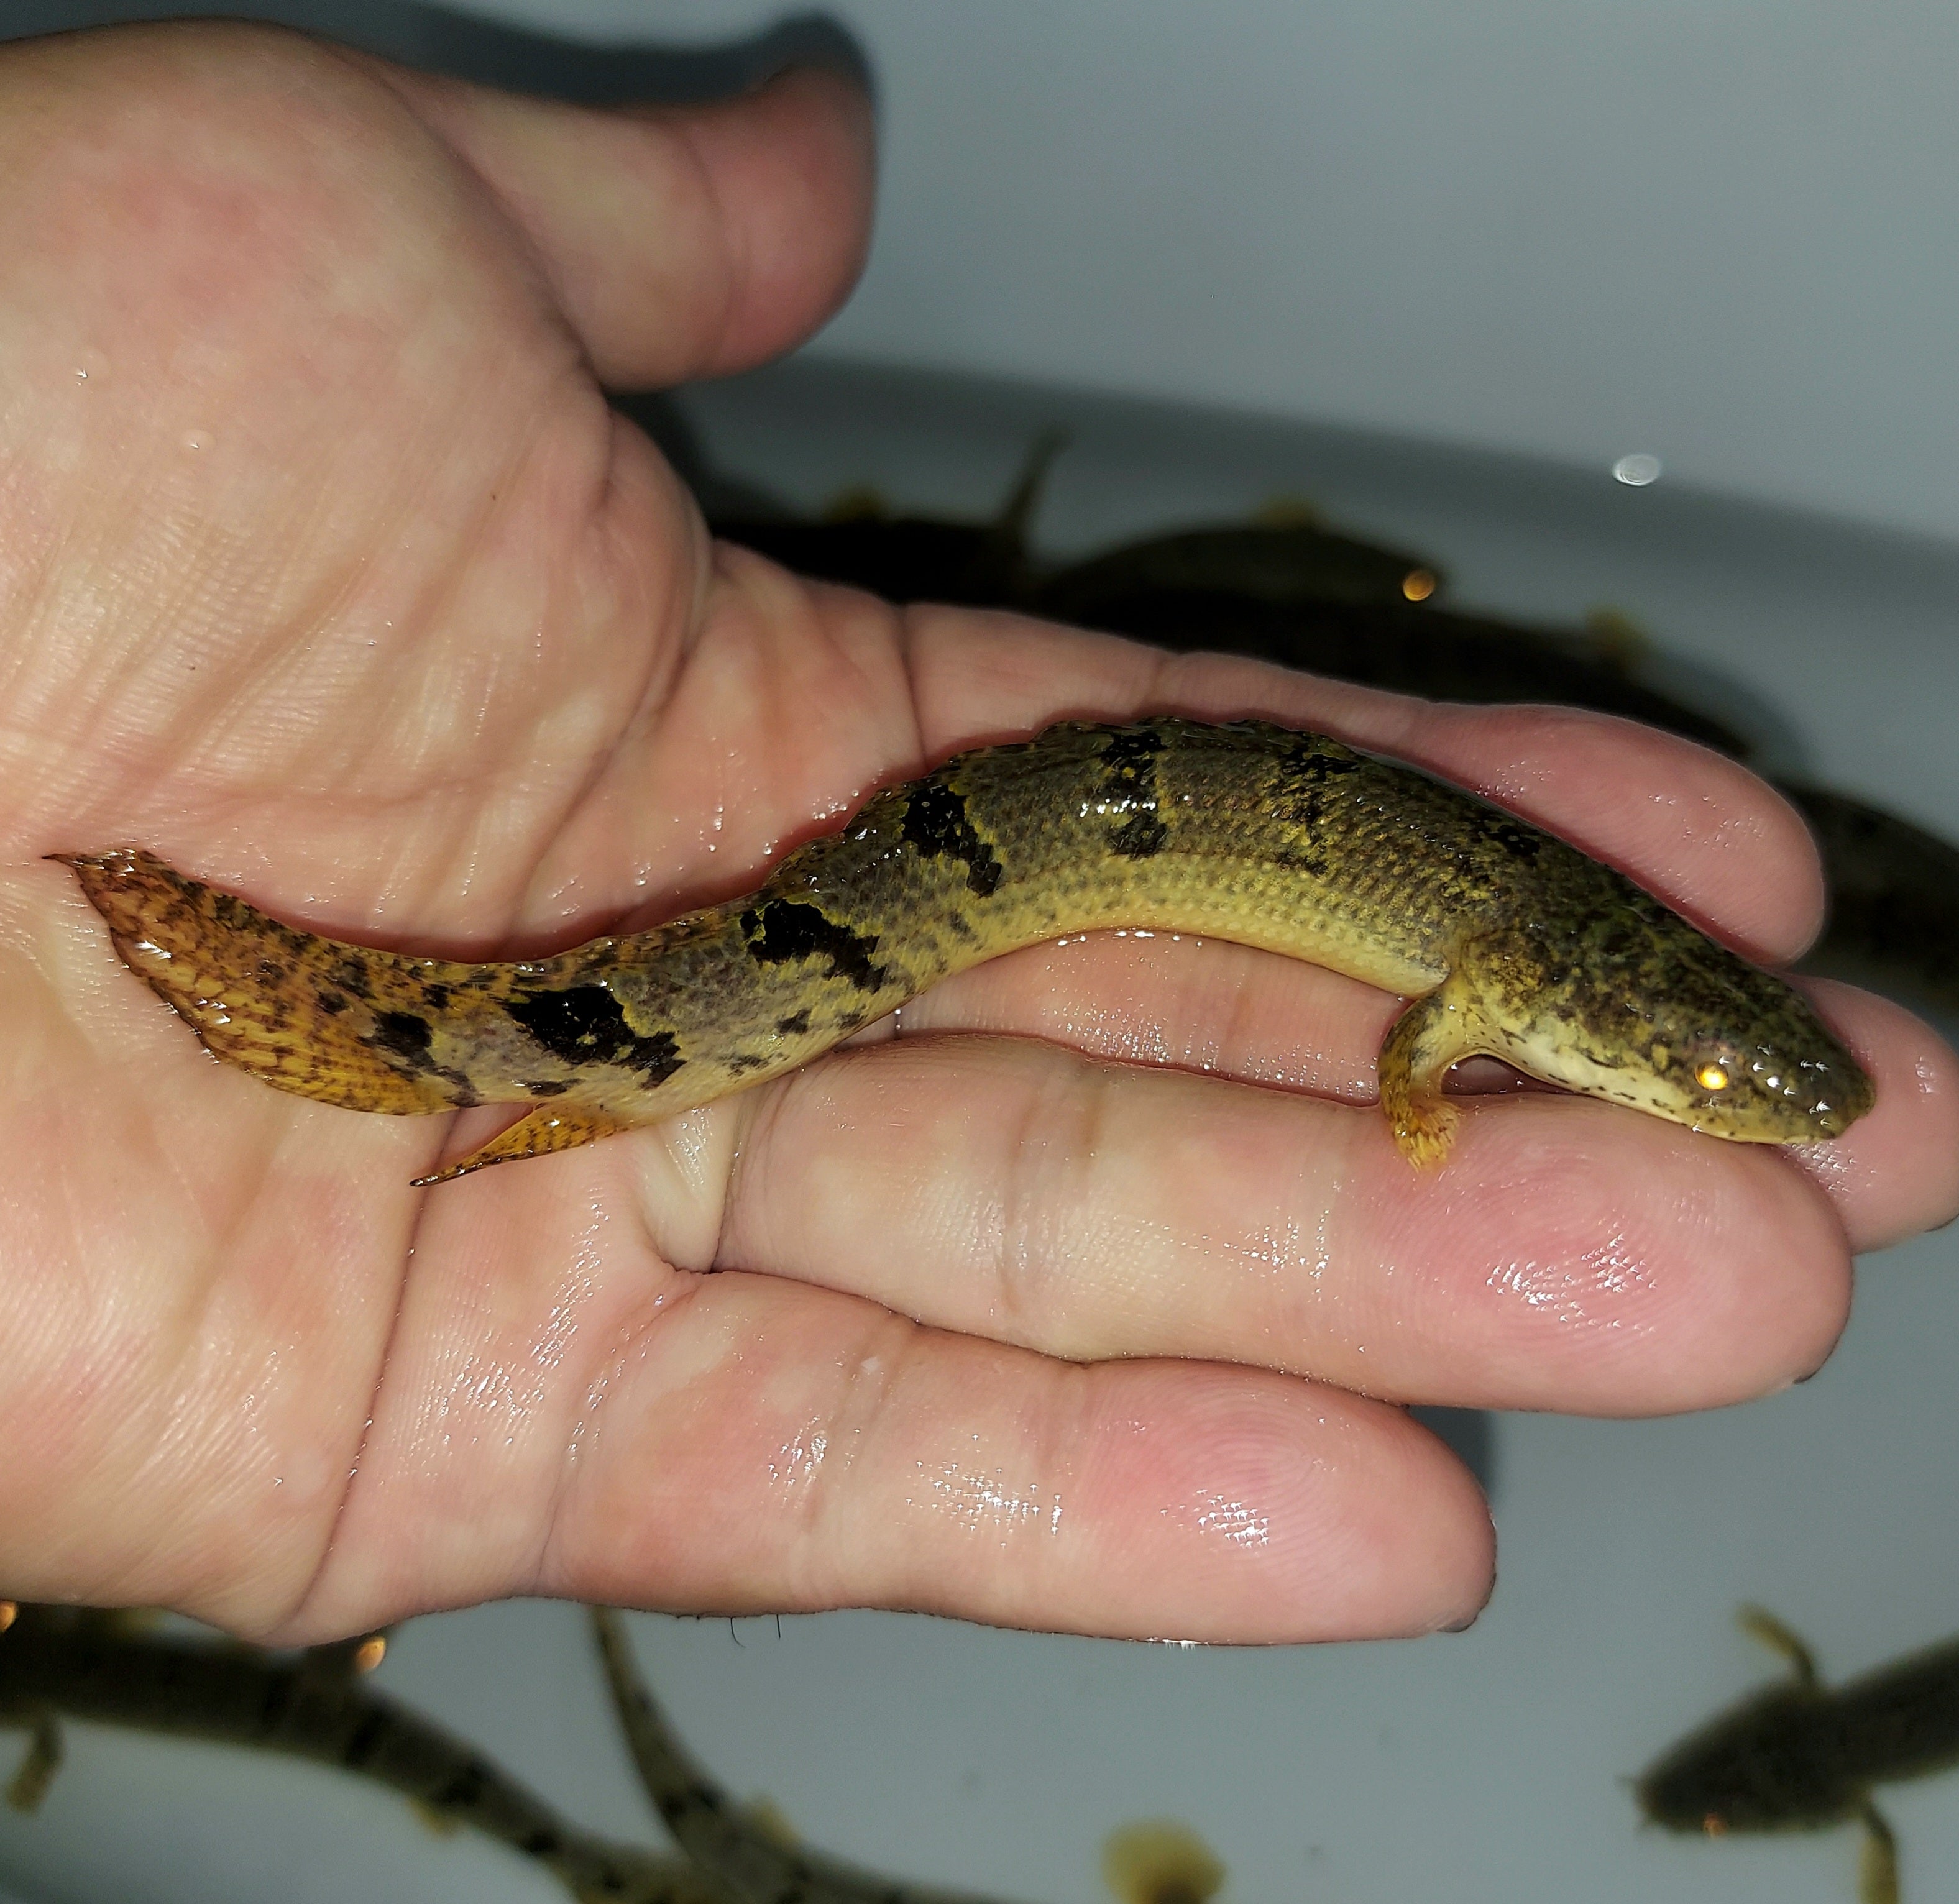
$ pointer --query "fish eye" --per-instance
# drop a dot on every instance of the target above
(1711, 1076)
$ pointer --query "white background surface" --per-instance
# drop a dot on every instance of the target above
(1726, 232)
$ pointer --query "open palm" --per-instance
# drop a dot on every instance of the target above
(326, 574)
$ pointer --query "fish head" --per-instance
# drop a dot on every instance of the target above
(1739, 1053)
(1645, 1010)
(1762, 1766)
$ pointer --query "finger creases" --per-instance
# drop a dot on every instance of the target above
(682, 241)
(1567, 1254)
(817, 1453)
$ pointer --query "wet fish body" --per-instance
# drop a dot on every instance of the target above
(1312, 598)
(1508, 941)
(1800, 1755)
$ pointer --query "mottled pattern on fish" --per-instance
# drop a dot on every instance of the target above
(1510, 942)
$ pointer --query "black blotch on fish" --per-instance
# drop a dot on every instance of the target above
(936, 824)
(584, 1025)
(457, 1081)
(229, 909)
(783, 930)
(1139, 836)
(1519, 842)
(547, 1087)
(1130, 783)
(1131, 756)
(365, 1741)
(331, 1003)
(794, 1026)
(463, 1788)
(1298, 796)
(277, 1700)
(403, 1035)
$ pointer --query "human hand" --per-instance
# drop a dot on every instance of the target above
(328, 575)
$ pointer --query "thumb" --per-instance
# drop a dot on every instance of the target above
(681, 241)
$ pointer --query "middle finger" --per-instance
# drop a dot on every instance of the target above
(1567, 1255)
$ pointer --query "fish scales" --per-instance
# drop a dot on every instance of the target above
(1508, 941)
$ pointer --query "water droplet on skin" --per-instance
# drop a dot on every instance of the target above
(1636, 470)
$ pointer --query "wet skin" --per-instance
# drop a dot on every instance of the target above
(1080, 1294)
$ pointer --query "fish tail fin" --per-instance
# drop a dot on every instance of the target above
(368, 1030)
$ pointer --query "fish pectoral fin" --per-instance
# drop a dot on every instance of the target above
(1877, 1862)
(434, 1820)
(1437, 1030)
(334, 1666)
(559, 1125)
(29, 1785)
(1760, 1624)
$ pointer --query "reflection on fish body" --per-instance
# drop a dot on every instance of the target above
(1510, 942)
(1799, 1756)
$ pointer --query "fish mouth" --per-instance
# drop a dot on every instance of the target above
(1823, 1109)
(1821, 1122)
(1852, 1096)
(1833, 1120)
